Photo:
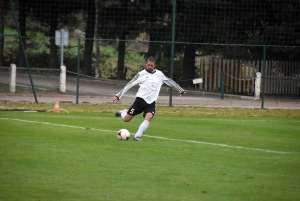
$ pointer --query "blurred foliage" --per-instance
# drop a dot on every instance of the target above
(162, 110)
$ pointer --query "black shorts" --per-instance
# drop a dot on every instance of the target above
(140, 106)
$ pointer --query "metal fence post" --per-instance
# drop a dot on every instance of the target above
(24, 51)
(78, 71)
(263, 78)
(172, 47)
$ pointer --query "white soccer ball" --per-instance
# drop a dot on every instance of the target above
(123, 134)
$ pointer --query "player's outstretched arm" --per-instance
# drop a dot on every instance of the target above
(130, 84)
(172, 83)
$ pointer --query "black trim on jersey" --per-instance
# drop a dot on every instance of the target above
(176, 85)
(151, 72)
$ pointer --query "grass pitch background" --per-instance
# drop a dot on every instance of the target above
(186, 154)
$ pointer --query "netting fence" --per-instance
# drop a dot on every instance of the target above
(226, 44)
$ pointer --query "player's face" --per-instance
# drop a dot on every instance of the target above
(150, 66)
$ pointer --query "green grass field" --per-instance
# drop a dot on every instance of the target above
(77, 156)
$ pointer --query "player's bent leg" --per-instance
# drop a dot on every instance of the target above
(148, 116)
(127, 117)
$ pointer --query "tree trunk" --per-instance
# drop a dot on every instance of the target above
(188, 65)
(97, 64)
(152, 48)
(121, 57)
(121, 71)
(22, 24)
(53, 48)
(1, 32)
(89, 42)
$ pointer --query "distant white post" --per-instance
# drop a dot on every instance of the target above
(12, 80)
(257, 85)
(62, 81)
(62, 39)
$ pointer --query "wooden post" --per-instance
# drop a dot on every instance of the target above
(222, 85)
(286, 65)
(231, 75)
(206, 68)
(227, 76)
(215, 67)
(210, 74)
(248, 76)
(240, 76)
(236, 75)
(219, 72)
(267, 80)
(280, 80)
(293, 73)
(283, 81)
(201, 73)
(244, 76)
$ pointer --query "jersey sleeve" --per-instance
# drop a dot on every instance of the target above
(172, 83)
(129, 85)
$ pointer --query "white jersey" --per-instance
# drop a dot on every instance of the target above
(150, 84)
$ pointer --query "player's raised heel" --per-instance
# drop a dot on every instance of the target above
(118, 113)
(137, 139)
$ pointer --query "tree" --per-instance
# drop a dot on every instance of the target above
(158, 26)
(89, 8)
(120, 20)
(54, 13)
(1, 32)
(49, 16)
(193, 22)
(97, 63)
(22, 26)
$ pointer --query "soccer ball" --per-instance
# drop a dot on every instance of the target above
(123, 134)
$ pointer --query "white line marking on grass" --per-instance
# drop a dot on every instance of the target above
(222, 145)
(62, 125)
(159, 137)
(261, 120)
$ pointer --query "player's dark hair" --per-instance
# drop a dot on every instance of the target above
(151, 59)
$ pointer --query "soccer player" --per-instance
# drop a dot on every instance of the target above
(150, 81)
